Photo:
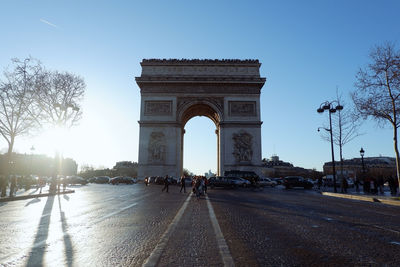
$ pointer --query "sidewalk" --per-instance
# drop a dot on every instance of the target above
(384, 198)
(32, 193)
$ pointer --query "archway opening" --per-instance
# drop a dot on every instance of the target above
(200, 146)
(200, 139)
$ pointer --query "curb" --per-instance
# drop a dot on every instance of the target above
(6, 199)
(364, 198)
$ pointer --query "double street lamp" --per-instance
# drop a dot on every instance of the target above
(328, 106)
(365, 187)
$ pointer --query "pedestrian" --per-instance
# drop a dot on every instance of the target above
(3, 185)
(13, 185)
(344, 185)
(64, 184)
(166, 183)
(205, 184)
(380, 183)
(197, 187)
(319, 182)
(357, 185)
(183, 184)
(58, 184)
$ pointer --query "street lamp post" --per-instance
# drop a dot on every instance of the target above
(331, 109)
(365, 186)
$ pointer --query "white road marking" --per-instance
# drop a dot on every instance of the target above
(115, 212)
(386, 229)
(223, 247)
(154, 257)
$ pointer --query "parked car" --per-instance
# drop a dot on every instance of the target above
(277, 180)
(102, 180)
(238, 182)
(265, 181)
(221, 181)
(296, 181)
(121, 180)
(75, 180)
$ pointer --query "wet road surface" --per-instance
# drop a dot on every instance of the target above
(134, 225)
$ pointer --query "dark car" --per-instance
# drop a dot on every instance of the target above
(222, 181)
(296, 181)
(75, 180)
(102, 180)
(121, 180)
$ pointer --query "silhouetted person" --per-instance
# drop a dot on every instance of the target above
(166, 183)
(205, 184)
(344, 185)
(3, 185)
(13, 185)
(183, 184)
(319, 182)
(357, 184)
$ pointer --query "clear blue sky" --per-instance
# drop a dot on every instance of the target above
(307, 49)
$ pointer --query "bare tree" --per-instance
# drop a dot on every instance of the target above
(18, 112)
(347, 125)
(378, 90)
(59, 97)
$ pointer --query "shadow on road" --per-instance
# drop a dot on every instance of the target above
(69, 252)
(39, 245)
(35, 200)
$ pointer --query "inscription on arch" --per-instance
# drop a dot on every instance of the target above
(158, 108)
(242, 108)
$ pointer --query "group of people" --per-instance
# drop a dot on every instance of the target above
(369, 185)
(199, 184)
(13, 183)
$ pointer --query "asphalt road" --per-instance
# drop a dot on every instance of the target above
(134, 225)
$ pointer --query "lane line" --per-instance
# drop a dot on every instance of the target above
(155, 256)
(222, 246)
(114, 213)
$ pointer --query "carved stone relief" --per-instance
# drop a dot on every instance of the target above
(158, 108)
(242, 108)
(242, 149)
(157, 147)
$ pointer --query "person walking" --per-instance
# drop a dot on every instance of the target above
(319, 182)
(205, 184)
(166, 183)
(13, 185)
(3, 185)
(357, 184)
(183, 184)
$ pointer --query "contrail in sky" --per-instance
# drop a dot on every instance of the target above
(48, 23)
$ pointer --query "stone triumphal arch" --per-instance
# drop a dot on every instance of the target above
(174, 91)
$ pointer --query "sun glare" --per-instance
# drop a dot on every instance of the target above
(53, 140)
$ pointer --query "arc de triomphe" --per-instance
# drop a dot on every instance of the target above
(174, 91)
